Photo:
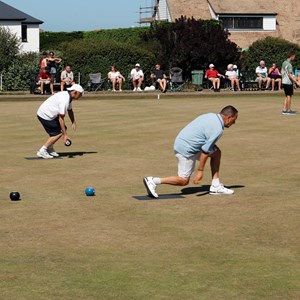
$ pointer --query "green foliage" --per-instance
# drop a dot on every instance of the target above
(121, 35)
(93, 56)
(18, 74)
(9, 47)
(192, 44)
(271, 50)
(53, 40)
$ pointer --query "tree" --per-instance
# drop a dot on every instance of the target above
(271, 50)
(191, 44)
(9, 47)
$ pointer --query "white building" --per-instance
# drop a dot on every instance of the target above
(26, 28)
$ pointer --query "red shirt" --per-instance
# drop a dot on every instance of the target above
(211, 73)
(45, 75)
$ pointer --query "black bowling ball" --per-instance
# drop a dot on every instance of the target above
(14, 196)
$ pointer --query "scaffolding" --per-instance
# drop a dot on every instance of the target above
(148, 13)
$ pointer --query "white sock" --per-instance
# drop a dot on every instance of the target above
(156, 180)
(215, 182)
(44, 148)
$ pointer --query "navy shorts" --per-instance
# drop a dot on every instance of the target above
(288, 89)
(52, 127)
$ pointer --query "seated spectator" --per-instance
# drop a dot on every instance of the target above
(235, 68)
(232, 76)
(275, 76)
(137, 78)
(297, 77)
(213, 75)
(45, 79)
(160, 77)
(66, 78)
(52, 60)
(115, 77)
(240, 77)
(262, 75)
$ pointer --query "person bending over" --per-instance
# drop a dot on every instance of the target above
(197, 141)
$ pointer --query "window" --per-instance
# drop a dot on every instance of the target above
(24, 33)
(242, 22)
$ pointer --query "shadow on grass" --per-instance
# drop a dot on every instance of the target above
(161, 197)
(62, 155)
(74, 154)
(204, 189)
(200, 190)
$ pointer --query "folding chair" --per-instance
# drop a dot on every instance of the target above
(176, 81)
(96, 82)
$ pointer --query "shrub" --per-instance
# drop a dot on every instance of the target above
(9, 47)
(18, 74)
(271, 50)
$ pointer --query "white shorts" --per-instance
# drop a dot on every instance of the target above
(186, 166)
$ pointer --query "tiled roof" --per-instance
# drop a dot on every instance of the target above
(9, 13)
(242, 7)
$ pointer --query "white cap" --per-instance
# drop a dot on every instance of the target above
(137, 65)
(77, 88)
(211, 65)
(235, 66)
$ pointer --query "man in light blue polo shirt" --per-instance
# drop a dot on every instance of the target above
(197, 141)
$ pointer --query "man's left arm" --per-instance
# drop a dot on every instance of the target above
(72, 118)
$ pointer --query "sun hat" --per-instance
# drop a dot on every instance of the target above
(76, 87)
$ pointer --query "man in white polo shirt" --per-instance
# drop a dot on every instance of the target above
(137, 77)
(197, 141)
(51, 114)
(262, 75)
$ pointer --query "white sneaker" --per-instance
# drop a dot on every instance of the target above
(150, 186)
(44, 154)
(134, 89)
(52, 152)
(139, 89)
(220, 190)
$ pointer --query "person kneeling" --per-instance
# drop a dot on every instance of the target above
(197, 141)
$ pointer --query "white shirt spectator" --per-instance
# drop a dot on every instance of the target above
(231, 74)
(136, 74)
(114, 75)
(261, 71)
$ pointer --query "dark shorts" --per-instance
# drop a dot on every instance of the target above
(288, 89)
(52, 127)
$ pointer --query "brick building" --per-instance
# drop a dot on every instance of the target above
(246, 20)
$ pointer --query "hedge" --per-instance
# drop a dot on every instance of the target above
(94, 56)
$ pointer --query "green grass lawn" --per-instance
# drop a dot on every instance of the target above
(57, 243)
